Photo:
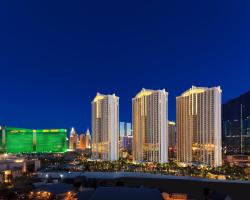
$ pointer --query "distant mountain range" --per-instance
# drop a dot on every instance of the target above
(231, 109)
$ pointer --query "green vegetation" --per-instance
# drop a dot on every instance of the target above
(81, 163)
(171, 168)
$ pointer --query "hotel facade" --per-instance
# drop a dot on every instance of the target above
(21, 140)
(198, 126)
(171, 140)
(105, 127)
(150, 130)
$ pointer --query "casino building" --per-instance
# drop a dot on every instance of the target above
(20, 140)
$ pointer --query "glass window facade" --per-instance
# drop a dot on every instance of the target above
(125, 129)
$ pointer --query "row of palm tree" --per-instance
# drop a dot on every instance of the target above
(171, 168)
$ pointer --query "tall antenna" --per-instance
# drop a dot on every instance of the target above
(241, 129)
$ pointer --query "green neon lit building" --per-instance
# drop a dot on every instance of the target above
(19, 140)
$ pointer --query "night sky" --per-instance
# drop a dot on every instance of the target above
(55, 55)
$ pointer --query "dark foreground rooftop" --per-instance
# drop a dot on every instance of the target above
(193, 187)
(55, 189)
(126, 193)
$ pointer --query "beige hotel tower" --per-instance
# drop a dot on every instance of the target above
(199, 126)
(150, 130)
(105, 121)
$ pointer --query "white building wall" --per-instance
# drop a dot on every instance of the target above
(105, 121)
(202, 124)
(163, 124)
(113, 126)
(217, 122)
(150, 129)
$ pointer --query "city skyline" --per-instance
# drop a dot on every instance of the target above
(88, 127)
(54, 59)
(125, 99)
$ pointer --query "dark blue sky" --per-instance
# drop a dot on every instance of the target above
(55, 55)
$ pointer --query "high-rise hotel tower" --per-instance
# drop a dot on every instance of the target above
(73, 139)
(199, 126)
(105, 126)
(150, 128)
(88, 139)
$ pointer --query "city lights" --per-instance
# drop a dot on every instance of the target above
(116, 100)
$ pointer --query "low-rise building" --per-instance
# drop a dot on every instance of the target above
(174, 196)
(11, 167)
(238, 160)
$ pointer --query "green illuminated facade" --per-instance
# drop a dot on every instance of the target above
(18, 140)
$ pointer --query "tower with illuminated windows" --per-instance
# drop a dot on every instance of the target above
(171, 140)
(199, 126)
(150, 128)
(88, 139)
(82, 141)
(73, 139)
(105, 127)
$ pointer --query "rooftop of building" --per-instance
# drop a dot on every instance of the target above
(124, 193)
(117, 175)
(171, 123)
(9, 158)
(146, 92)
(55, 188)
(25, 130)
(100, 96)
(197, 90)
